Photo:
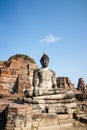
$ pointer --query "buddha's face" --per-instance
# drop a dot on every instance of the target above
(44, 62)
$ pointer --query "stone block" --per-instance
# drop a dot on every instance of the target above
(57, 109)
(55, 127)
(63, 116)
(17, 128)
(49, 121)
(66, 123)
(35, 124)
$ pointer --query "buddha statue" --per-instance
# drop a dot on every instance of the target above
(44, 79)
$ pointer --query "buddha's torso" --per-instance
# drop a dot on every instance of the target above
(45, 78)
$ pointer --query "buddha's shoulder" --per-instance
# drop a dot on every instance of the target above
(53, 72)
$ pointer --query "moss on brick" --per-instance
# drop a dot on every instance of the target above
(25, 57)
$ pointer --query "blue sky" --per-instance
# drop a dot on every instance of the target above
(57, 27)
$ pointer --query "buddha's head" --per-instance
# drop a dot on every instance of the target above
(44, 60)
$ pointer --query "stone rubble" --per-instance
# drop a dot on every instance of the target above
(15, 116)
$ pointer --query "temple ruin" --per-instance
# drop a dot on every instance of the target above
(59, 105)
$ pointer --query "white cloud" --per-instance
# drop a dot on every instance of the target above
(50, 39)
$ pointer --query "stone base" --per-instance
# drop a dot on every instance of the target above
(57, 103)
(55, 108)
(49, 122)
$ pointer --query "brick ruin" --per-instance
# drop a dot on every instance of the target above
(16, 74)
(65, 83)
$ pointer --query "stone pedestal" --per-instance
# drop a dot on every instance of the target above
(61, 102)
